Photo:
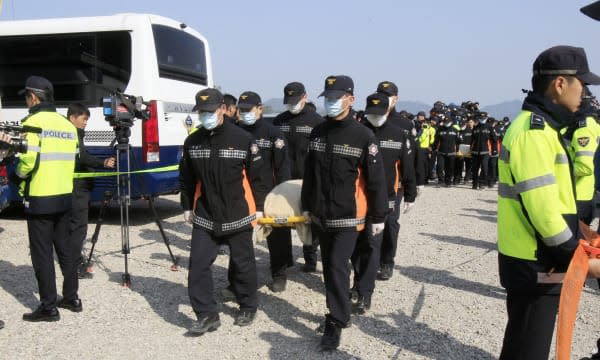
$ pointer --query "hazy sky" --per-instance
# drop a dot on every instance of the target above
(449, 50)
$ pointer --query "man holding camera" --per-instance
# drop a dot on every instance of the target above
(45, 178)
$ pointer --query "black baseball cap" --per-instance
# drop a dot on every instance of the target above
(293, 92)
(388, 88)
(248, 100)
(565, 60)
(592, 10)
(377, 104)
(208, 100)
(37, 84)
(337, 86)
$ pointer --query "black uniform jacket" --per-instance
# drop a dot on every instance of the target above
(297, 129)
(483, 140)
(220, 178)
(344, 180)
(446, 140)
(398, 161)
(273, 150)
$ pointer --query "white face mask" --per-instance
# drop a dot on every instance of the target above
(376, 120)
(334, 107)
(208, 120)
(295, 108)
(248, 118)
(483, 121)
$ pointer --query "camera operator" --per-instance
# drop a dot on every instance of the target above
(45, 178)
(79, 115)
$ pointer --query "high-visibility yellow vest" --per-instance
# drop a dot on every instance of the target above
(583, 147)
(535, 188)
(49, 163)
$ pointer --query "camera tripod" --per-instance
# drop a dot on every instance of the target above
(123, 150)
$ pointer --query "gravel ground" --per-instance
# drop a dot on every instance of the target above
(444, 300)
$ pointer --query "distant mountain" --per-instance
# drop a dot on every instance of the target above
(507, 108)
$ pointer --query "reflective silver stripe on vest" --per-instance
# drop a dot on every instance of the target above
(560, 238)
(480, 152)
(33, 148)
(284, 128)
(203, 223)
(507, 191)
(342, 223)
(199, 153)
(389, 144)
(504, 154)
(584, 153)
(552, 278)
(561, 159)
(534, 183)
(317, 146)
(304, 129)
(265, 144)
(346, 150)
(232, 154)
(56, 156)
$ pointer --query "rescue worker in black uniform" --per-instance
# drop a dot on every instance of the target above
(296, 124)
(373, 252)
(221, 191)
(343, 189)
(231, 110)
(464, 162)
(446, 145)
(493, 163)
(276, 169)
(79, 115)
(483, 144)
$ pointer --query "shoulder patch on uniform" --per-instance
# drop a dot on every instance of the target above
(279, 143)
(254, 149)
(583, 141)
(373, 150)
(537, 122)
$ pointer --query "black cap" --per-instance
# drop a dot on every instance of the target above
(377, 104)
(592, 10)
(293, 92)
(208, 100)
(388, 88)
(248, 100)
(421, 113)
(37, 84)
(565, 60)
(337, 86)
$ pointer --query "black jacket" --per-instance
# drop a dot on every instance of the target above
(483, 140)
(297, 129)
(85, 163)
(221, 172)
(344, 180)
(273, 150)
(398, 161)
(466, 136)
(446, 140)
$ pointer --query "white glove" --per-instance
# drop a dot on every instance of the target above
(187, 216)
(259, 215)
(306, 215)
(407, 206)
(377, 229)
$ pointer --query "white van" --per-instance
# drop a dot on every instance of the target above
(88, 58)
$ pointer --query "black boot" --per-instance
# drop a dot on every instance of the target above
(362, 305)
(205, 323)
(331, 336)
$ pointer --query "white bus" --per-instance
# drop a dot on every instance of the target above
(88, 58)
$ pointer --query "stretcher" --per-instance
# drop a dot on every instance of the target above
(290, 221)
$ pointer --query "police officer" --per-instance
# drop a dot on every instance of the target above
(446, 145)
(537, 215)
(379, 251)
(493, 162)
(296, 124)
(483, 144)
(45, 173)
(584, 137)
(343, 162)
(220, 178)
(79, 115)
(276, 169)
